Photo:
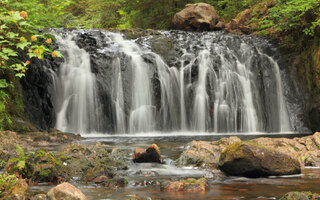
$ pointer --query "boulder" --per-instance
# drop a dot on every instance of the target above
(151, 154)
(300, 196)
(196, 17)
(250, 159)
(305, 149)
(65, 191)
(188, 185)
(205, 154)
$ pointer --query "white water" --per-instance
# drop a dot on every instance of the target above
(142, 109)
(76, 97)
(220, 98)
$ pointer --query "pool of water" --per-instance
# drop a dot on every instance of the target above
(144, 179)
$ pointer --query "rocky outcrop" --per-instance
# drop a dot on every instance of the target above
(188, 185)
(65, 191)
(205, 154)
(93, 161)
(150, 154)
(251, 159)
(196, 17)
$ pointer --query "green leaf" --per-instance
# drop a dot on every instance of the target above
(22, 45)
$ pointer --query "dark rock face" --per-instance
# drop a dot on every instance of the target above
(196, 17)
(37, 92)
(253, 160)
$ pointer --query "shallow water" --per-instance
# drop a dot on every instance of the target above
(144, 179)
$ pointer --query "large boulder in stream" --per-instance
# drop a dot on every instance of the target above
(65, 191)
(250, 159)
(150, 154)
(205, 154)
(196, 17)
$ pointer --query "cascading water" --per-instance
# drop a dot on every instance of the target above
(75, 86)
(211, 83)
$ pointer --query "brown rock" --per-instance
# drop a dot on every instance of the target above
(151, 154)
(65, 191)
(205, 154)
(220, 26)
(100, 179)
(245, 29)
(188, 185)
(305, 149)
(254, 160)
(196, 17)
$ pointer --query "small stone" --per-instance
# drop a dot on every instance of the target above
(188, 185)
(40, 197)
(100, 179)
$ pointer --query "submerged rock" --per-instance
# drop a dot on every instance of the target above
(300, 196)
(188, 185)
(151, 154)
(196, 17)
(254, 160)
(65, 191)
(205, 154)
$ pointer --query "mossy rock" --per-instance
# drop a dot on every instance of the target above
(254, 160)
(300, 196)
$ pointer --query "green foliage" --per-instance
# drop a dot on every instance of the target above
(19, 43)
(6, 184)
(296, 15)
(41, 13)
(18, 164)
(37, 166)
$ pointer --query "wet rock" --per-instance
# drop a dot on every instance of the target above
(205, 154)
(250, 159)
(40, 197)
(151, 154)
(65, 191)
(300, 196)
(100, 179)
(117, 182)
(196, 17)
(188, 185)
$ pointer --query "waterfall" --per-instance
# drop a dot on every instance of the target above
(76, 96)
(213, 82)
